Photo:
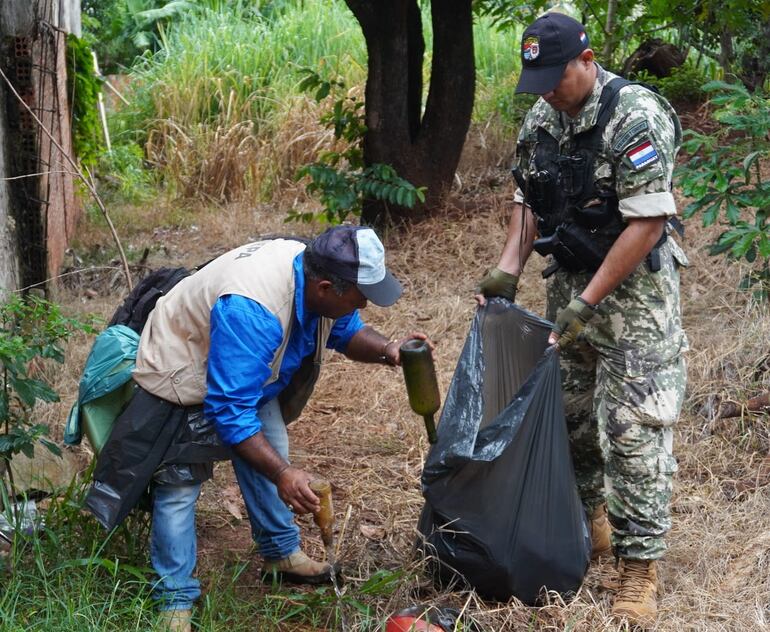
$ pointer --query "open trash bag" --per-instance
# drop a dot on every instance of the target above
(502, 509)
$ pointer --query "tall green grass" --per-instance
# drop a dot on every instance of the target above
(496, 52)
(207, 57)
(497, 71)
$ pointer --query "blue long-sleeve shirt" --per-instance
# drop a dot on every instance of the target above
(244, 339)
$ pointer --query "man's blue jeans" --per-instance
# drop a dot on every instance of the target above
(173, 547)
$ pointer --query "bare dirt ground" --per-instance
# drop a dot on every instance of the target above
(359, 432)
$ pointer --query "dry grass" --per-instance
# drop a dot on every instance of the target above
(359, 432)
(210, 161)
(298, 138)
(235, 159)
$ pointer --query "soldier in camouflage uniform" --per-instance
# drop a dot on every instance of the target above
(613, 291)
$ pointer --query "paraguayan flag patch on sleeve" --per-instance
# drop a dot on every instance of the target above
(642, 154)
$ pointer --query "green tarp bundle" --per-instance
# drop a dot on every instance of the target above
(105, 387)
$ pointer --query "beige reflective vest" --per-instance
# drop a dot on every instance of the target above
(174, 346)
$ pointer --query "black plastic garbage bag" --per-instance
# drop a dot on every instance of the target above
(151, 440)
(502, 510)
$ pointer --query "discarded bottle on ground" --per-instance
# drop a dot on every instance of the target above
(421, 383)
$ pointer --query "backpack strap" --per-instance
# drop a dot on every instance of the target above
(609, 99)
(591, 139)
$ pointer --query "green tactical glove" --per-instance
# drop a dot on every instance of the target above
(499, 283)
(571, 320)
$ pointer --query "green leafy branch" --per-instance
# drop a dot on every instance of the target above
(32, 331)
(339, 177)
(725, 178)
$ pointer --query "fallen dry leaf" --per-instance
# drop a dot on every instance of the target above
(372, 532)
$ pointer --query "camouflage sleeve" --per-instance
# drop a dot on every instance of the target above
(524, 147)
(644, 136)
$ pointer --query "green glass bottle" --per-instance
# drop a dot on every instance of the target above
(421, 382)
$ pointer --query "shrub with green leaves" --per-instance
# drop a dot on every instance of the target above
(32, 332)
(123, 174)
(339, 176)
(122, 30)
(683, 85)
(727, 177)
(245, 57)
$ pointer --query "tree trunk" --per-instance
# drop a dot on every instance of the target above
(609, 33)
(423, 147)
(655, 57)
(755, 61)
(726, 54)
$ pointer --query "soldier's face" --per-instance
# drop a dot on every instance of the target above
(575, 86)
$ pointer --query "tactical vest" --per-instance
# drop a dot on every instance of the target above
(578, 221)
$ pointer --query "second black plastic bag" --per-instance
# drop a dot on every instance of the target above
(502, 510)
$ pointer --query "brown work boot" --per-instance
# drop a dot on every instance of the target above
(601, 532)
(175, 620)
(636, 601)
(298, 568)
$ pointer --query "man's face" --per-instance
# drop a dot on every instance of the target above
(575, 86)
(332, 305)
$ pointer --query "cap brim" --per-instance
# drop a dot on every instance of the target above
(540, 80)
(384, 293)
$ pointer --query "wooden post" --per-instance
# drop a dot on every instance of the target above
(102, 111)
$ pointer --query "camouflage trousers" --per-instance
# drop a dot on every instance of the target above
(624, 381)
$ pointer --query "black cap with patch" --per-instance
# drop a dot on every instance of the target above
(547, 46)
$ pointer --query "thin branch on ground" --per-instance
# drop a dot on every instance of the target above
(67, 274)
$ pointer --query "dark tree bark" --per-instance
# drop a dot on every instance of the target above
(755, 63)
(726, 54)
(655, 56)
(423, 147)
(609, 31)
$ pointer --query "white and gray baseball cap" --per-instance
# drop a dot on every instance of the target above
(356, 254)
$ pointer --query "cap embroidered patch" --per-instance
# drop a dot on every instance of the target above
(642, 155)
(530, 48)
(583, 37)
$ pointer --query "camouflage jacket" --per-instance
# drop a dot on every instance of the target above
(639, 145)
